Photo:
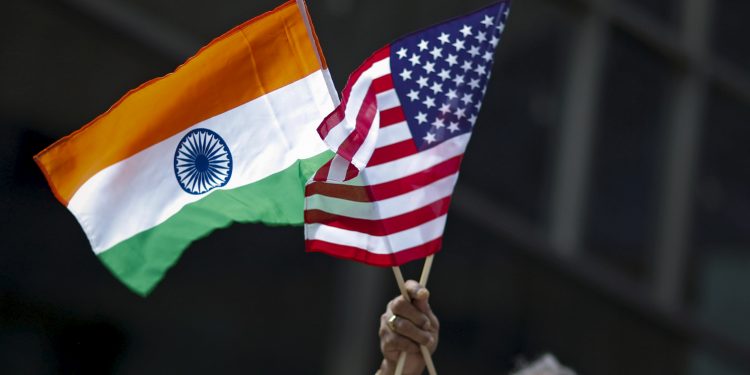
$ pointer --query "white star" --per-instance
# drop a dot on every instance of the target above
(429, 67)
(453, 127)
(458, 80)
(473, 119)
(460, 112)
(451, 94)
(422, 45)
(429, 138)
(474, 83)
(436, 88)
(466, 99)
(507, 12)
(438, 123)
(481, 36)
(443, 38)
(422, 82)
(474, 51)
(466, 30)
(466, 66)
(405, 74)
(487, 21)
(429, 102)
(451, 59)
(421, 117)
(480, 70)
(494, 41)
(436, 53)
(500, 27)
(401, 53)
(414, 59)
(478, 105)
(458, 44)
(444, 74)
(445, 108)
(413, 95)
(487, 56)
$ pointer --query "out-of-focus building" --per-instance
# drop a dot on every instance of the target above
(603, 211)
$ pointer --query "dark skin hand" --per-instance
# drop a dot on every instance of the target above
(415, 324)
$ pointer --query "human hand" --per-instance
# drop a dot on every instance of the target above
(414, 324)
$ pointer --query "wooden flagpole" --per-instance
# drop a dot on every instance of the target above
(402, 286)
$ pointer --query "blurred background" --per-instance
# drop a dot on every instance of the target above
(603, 213)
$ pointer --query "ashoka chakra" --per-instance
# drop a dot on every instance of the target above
(202, 161)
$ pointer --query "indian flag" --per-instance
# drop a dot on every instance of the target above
(229, 136)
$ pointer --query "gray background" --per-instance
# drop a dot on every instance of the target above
(603, 211)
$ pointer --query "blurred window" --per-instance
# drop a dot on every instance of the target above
(731, 30)
(721, 235)
(665, 11)
(627, 140)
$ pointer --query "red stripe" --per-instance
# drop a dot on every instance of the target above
(337, 115)
(382, 260)
(382, 227)
(322, 173)
(371, 193)
(351, 172)
(329, 122)
(392, 115)
(364, 120)
(383, 83)
(392, 152)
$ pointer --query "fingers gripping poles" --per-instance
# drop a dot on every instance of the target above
(402, 286)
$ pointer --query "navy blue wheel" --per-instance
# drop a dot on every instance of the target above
(202, 161)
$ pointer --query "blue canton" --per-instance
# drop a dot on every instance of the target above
(441, 73)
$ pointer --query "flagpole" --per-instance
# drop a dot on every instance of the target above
(402, 286)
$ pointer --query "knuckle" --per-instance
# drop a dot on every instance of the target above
(398, 306)
(425, 339)
(382, 331)
(400, 325)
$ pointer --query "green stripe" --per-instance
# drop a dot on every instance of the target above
(141, 261)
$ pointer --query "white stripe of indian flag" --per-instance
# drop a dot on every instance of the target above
(273, 144)
(139, 227)
(265, 136)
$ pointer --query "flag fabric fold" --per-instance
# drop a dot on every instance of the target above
(229, 136)
(399, 134)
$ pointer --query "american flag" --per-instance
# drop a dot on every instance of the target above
(399, 135)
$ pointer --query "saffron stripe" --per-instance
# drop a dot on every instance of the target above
(256, 57)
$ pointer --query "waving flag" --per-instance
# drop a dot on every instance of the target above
(228, 136)
(399, 134)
